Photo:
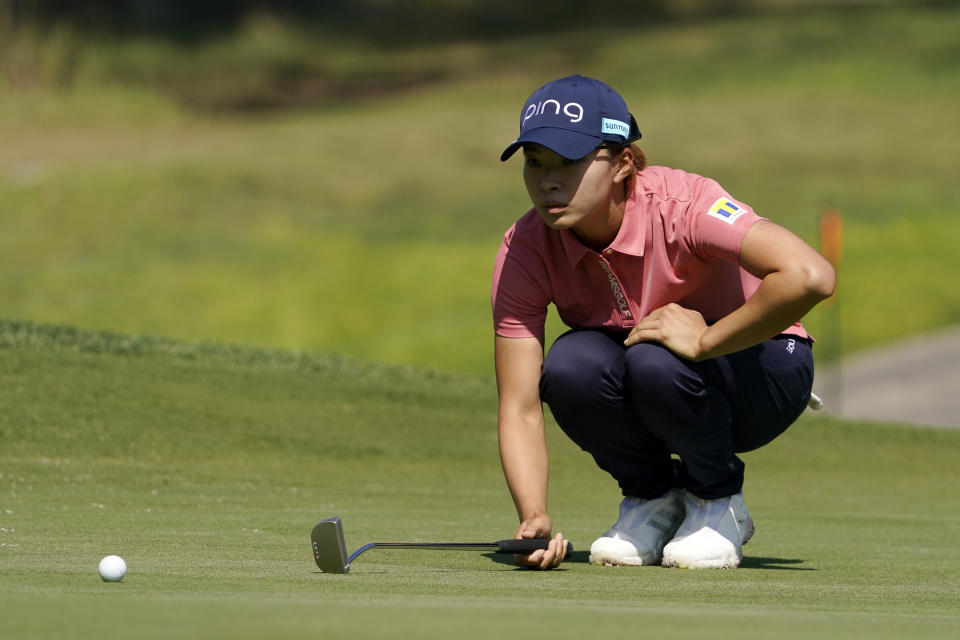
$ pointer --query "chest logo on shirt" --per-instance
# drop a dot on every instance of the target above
(726, 210)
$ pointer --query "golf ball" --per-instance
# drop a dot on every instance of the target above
(112, 569)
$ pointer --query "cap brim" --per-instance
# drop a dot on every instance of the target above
(572, 145)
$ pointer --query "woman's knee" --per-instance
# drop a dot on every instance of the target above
(580, 361)
(652, 370)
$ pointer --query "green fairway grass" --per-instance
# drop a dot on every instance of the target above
(368, 224)
(205, 466)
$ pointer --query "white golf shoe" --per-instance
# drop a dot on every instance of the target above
(639, 534)
(712, 533)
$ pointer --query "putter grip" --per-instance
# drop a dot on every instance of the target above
(527, 546)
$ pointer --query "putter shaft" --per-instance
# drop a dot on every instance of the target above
(436, 546)
(521, 547)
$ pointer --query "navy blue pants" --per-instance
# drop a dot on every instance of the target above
(631, 408)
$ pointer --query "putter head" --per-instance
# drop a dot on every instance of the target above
(329, 549)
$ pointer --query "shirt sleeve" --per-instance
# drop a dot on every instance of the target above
(716, 223)
(518, 298)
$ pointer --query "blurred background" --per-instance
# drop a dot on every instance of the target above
(324, 175)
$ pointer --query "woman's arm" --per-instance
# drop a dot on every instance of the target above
(523, 447)
(794, 278)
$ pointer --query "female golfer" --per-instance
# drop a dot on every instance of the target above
(685, 347)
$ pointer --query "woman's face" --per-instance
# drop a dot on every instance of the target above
(569, 194)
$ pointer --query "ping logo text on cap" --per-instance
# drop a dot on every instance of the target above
(573, 110)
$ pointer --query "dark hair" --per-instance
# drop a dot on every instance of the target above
(639, 161)
(639, 158)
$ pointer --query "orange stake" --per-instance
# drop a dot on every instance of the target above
(831, 236)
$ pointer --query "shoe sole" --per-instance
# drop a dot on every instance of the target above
(610, 560)
(728, 563)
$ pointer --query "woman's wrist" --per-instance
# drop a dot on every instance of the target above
(531, 512)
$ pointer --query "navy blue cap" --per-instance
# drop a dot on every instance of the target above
(573, 116)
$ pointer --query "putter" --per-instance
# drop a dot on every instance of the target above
(330, 550)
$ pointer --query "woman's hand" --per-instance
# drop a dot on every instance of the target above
(677, 328)
(793, 278)
(540, 527)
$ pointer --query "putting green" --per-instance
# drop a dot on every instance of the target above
(205, 467)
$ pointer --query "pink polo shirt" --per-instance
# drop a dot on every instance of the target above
(679, 242)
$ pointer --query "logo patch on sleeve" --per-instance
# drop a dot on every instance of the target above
(726, 210)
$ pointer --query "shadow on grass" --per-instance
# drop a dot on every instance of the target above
(781, 564)
(748, 562)
(582, 557)
(507, 559)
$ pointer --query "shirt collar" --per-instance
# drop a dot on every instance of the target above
(631, 239)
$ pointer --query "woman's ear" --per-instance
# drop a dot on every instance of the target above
(625, 167)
